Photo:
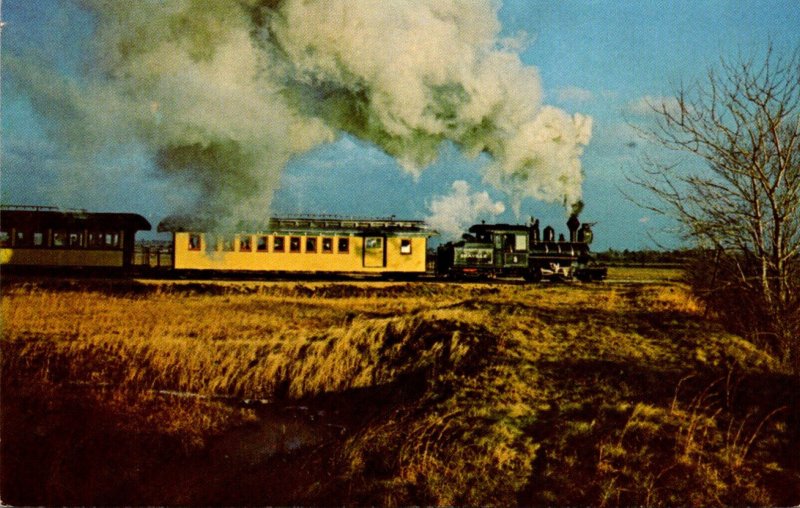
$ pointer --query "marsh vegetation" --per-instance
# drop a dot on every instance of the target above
(126, 392)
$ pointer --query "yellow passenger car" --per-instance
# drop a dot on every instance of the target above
(39, 237)
(304, 244)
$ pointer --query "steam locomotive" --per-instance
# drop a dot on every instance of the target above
(37, 238)
(492, 250)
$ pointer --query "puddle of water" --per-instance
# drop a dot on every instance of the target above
(277, 431)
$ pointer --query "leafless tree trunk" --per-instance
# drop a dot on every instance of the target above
(743, 200)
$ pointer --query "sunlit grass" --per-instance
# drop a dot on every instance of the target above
(493, 393)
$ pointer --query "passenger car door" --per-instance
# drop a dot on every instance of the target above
(374, 252)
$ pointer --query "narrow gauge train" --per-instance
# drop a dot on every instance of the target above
(491, 250)
(39, 237)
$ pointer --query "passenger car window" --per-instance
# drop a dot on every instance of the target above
(279, 246)
(194, 242)
(75, 239)
(23, 239)
(405, 246)
(262, 244)
(95, 239)
(112, 240)
(311, 245)
(245, 243)
(344, 245)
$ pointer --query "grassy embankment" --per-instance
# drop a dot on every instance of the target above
(422, 393)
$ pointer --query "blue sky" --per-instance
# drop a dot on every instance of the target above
(599, 58)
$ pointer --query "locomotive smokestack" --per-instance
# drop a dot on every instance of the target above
(573, 223)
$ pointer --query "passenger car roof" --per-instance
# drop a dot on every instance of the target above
(54, 218)
(317, 223)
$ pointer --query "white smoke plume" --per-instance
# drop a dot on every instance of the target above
(225, 92)
(451, 215)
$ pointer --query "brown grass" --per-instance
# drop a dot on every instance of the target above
(490, 394)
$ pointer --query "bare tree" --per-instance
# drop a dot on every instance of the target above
(741, 204)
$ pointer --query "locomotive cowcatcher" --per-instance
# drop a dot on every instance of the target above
(508, 250)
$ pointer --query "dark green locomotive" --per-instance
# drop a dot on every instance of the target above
(508, 250)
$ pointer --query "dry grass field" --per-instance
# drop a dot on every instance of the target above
(648, 274)
(386, 393)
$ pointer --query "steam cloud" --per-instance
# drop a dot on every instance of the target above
(225, 92)
(452, 214)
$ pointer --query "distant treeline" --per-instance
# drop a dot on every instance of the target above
(645, 257)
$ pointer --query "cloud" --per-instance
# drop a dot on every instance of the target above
(452, 214)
